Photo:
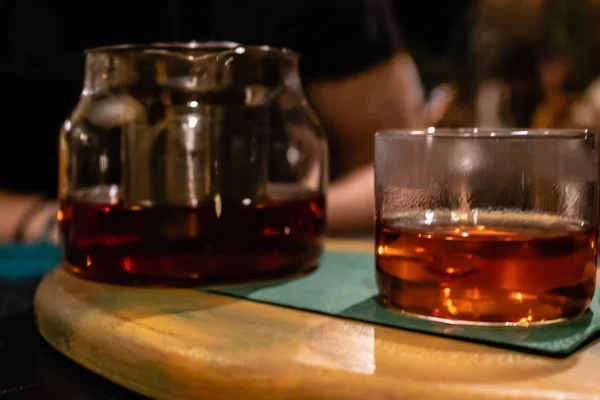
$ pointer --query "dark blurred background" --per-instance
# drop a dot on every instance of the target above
(507, 63)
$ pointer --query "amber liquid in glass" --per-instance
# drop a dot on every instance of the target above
(525, 269)
(180, 245)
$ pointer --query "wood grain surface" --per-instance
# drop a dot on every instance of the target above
(186, 344)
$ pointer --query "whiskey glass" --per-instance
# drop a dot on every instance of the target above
(487, 226)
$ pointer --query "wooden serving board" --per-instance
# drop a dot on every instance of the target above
(187, 344)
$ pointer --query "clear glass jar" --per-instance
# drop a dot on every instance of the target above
(191, 163)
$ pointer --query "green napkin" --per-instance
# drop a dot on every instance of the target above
(344, 286)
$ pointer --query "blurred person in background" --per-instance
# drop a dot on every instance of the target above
(355, 68)
(554, 72)
(526, 64)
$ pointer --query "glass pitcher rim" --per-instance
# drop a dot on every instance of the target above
(487, 133)
(192, 45)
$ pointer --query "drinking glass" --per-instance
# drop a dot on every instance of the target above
(486, 227)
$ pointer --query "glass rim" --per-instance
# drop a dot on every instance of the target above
(193, 45)
(486, 133)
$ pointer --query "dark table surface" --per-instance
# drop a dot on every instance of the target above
(29, 367)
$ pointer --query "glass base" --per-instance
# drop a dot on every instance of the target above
(471, 322)
(461, 305)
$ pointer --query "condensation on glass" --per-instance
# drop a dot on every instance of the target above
(487, 226)
(196, 162)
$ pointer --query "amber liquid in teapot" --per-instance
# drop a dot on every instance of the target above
(116, 243)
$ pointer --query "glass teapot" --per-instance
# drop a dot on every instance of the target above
(191, 163)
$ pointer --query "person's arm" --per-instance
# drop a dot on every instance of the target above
(33, 216)
(388, 95)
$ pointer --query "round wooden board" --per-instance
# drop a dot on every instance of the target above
(186, 344)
